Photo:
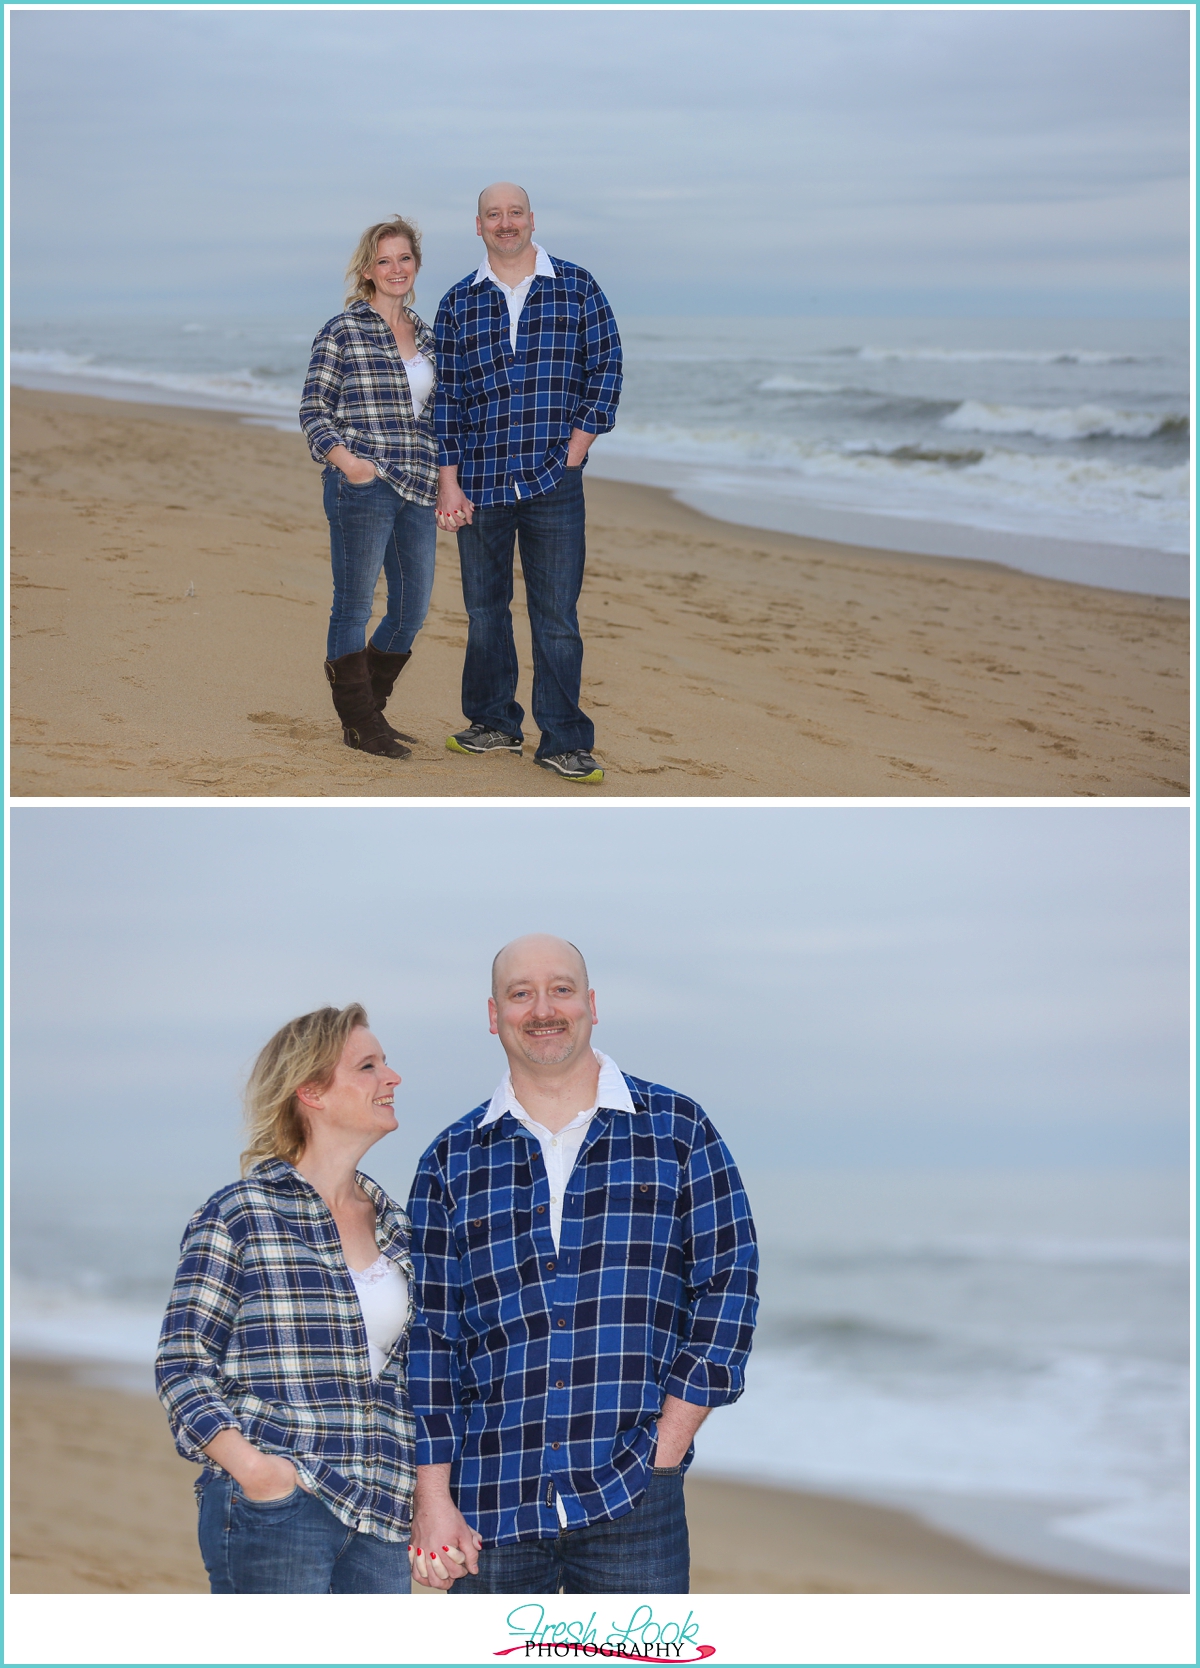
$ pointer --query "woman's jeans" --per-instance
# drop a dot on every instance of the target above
(292, 1545)
(372, 527)
(550, 529)
(646, 1551)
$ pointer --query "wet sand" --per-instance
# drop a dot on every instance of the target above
(171, 589)
(101, 1503)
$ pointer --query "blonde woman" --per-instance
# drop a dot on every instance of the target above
(367, 412)
(281, 1360)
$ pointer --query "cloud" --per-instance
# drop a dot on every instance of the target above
(203, 155)
(984, 980)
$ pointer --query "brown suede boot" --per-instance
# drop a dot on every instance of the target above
(385, 669)
(363, 725)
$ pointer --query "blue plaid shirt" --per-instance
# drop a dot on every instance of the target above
(356, 394)
(264, 1334)
(505, 415)
(540, 1373)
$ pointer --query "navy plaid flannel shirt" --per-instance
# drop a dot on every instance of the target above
(538, 1372)
(505, 416)
(356, 394)
(264, 1334)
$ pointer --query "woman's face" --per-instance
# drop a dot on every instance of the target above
(394, 269)
(358, 1100)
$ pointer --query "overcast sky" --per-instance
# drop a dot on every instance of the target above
(863, 988)
(987, 162)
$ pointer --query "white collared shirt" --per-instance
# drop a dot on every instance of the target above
(560, 1149)
(517, 294)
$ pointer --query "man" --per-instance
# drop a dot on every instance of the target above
(585, 1291)
(529, 372)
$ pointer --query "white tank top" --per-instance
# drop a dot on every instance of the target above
(383, 1298)
(420, 381)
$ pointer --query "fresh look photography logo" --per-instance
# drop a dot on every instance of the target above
(645, 1637)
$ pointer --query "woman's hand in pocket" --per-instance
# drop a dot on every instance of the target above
(273, 1478)
(358, 471)
(260, 1476)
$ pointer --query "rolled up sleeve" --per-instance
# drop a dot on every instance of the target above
(200, 1316)
(322, 392)
(721, 1256)
(597, 411)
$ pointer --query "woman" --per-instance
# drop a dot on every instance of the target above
(367, 412)
(281, 1360)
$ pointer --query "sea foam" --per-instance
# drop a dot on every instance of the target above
(1080, 422)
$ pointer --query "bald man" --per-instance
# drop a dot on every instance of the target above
(585, 1292)
(529, 373)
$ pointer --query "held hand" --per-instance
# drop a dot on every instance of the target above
(437, 1569)
(443, 1544)
(454, 508)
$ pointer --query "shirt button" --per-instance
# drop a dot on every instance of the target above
(562, 1323)
(478, 1222)
(553, 1199)
(541, 1208)
(556, 1444)
(643, 1188)
(559, 1385)
(550, 1266)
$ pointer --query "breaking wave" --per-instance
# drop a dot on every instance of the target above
(1079, 422)
(243, 389)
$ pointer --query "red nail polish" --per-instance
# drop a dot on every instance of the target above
(445, 1549)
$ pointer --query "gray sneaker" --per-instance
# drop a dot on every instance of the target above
(575, 767)
(479, 739)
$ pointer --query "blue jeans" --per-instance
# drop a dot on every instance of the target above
(646, 1551)
(372, 527)
(550, 530)
(293, 1545)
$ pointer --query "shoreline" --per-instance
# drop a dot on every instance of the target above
(101, 1502)
(769, 505)
(1074, 561)
(170, 584)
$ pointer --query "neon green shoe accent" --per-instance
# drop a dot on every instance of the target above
(593, 776)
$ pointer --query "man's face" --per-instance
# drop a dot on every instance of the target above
(505, 221)
(542, 1012)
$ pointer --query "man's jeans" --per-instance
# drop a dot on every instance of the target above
(646, 1551)
(372, 527)
(293, 1545)
(550, 530)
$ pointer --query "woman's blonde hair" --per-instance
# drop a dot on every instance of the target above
(360, 287)
(305, 1050)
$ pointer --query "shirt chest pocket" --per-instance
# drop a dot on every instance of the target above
(561, 317)
(641, 1198)
(492, 1247)
(483, 350)
(494, 1232)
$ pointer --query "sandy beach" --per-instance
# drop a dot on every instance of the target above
(101, 1503)
(170, 591)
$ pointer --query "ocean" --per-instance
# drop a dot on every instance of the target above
(1004, 1354)
(1060, 448)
